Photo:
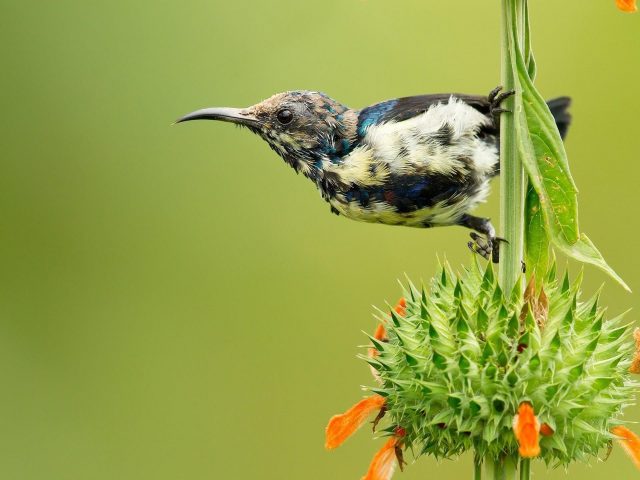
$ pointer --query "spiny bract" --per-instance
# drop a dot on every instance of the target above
(462, 359)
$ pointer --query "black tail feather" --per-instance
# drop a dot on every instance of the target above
(560, 110)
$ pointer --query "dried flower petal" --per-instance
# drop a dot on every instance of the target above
(526, 428)
(342, 426)
(630, 442)
(627, 5)
(541, 312)
(380, 416)
(384, 462)
(530, 292)
(539, 307)
(635, 363)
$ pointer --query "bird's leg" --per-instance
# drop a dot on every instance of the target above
(489, 246)
(495, 98)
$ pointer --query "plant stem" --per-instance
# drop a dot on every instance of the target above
(525, 469)
(477, 466)
(501, 469)
(512, 198)
(512, 176)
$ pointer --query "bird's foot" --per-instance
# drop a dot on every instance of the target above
(495, 98)
(487, 247)
(481, 245)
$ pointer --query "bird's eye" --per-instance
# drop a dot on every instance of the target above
(284, 116)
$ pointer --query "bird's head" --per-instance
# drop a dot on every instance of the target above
(305, 128)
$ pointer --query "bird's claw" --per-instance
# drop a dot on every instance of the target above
(493, 93)
(487, 247)
(479, 245)
(495, 98)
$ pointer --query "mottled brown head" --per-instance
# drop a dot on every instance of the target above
(303, 127)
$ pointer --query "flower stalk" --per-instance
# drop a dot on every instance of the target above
(503, 468)
(477, 466)
(512, 176)
(513, 182)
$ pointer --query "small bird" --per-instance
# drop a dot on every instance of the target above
(423, 161)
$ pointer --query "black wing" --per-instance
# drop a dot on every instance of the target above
(404, 108)
(409, 107)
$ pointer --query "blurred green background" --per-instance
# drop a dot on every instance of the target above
(174, 301)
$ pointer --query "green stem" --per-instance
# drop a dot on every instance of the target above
(501, 469)
(498, 471)
(477, 466)
(512, 192)
(525, 469)
(512, 175)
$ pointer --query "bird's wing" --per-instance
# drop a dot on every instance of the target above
(401, 109)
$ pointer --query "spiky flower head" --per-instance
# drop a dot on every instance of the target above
(463, 366)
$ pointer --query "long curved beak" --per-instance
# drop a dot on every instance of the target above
(233, 115)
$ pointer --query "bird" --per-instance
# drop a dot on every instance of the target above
(421, 161)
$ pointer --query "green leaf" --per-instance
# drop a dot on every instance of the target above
(411, 361)
(536, 237)
(585, 251)
(439, 361)
(488, 278)
(482, 319)
(543, 155)
(464, 364)
(395, 318)
(534, 362)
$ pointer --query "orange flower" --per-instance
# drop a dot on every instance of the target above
(627, 5)
(629, 441)
(342, 426)
(526, 427)
(384, 462)
(401, 307)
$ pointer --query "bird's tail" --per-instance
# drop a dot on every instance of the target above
(560, 110)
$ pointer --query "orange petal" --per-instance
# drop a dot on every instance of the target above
(635, 363)
(629, 441)
(384, 462)
(546, 430)
(526, 428)
(401, 307)
(627, 5)
(380, 333)
(342, 426)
